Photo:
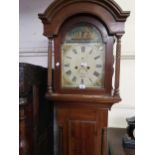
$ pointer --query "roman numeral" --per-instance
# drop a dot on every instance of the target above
(96, 74)
(97, 57)
(82, 81)
(66, 65)
(82, 85)
(98, 66)
(91, 51)
(68, 57)
(75, 51)
(90, 80)
(69, 72)
(74, 79)
(83, 49)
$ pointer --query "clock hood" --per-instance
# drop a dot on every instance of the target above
(108, 11)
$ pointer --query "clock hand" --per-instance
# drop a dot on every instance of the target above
(85, 66)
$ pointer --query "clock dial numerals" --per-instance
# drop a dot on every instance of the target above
(90, 52)
(90, 80)
(69, 72)
(82, 81)
(97, 57)
(96, 74)
(75, 51)
(98, 66)
(74, 78)
(83, 66)
(82, 85)
(68, 57)
(66, 65)
(83, 49)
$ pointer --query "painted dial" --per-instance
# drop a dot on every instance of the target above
(83, 65)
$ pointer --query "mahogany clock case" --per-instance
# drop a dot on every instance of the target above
(82, 114)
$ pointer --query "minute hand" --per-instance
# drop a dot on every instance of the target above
(84, 65)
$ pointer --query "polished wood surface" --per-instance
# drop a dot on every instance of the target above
(83, 130)
(100, 100)
(82, 115)
(117, 65)
(35, 115)
(49, 77)
(115, 136)
(107, 11)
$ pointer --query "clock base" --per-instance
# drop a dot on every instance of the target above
(81, 130)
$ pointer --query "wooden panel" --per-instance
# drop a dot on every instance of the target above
(81, 130)
(82, 135)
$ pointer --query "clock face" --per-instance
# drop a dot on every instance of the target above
(83, 58)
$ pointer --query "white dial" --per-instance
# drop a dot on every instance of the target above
(83, 65)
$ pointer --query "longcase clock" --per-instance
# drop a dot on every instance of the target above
(81, 34)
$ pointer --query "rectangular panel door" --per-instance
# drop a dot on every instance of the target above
(82, 137)
(82, 131)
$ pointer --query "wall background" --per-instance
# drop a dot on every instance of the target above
(33, 49)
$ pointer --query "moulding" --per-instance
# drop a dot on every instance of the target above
(110, 5)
